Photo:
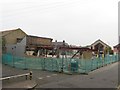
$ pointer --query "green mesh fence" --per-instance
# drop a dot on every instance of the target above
(59, 64)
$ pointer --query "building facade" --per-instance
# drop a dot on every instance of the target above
(35, 45)
(18, 43)
(99, 46)
(116, 49)
(11, 40)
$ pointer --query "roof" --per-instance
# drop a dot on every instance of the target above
(59, 43)
(87, 46)
(4, 33)
(118, 45)
(100, 41)
(39, 37)
(76, 48)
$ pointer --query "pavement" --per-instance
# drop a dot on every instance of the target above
(27, 84)
(105, 77)
(15, 83)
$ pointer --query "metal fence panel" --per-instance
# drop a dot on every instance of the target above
(74, 65)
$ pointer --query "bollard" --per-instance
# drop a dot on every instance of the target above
(30, 75)
(26, 77)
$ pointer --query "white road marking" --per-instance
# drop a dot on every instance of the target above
(48, 76)
(54, 74)
(40, 78)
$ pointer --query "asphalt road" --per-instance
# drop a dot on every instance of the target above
(105, 77)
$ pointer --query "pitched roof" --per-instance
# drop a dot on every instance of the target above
(100, 41)
(118, 45)
(4, 33)
(39, 37)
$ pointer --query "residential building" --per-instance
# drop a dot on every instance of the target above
(18, 43)
(116, 49)
(10, 39)
(60, 44)
(35, 44)
(57, 48)
(99, 46)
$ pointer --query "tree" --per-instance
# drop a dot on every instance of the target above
(108, 50)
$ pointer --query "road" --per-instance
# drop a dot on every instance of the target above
(105, 77)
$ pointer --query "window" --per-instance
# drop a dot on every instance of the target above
(19, 40)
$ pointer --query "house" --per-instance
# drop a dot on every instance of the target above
(99, 46)
(10, 39)
(12, 36)
(18, 43)
(71, 51)
(35, 44)
(57, 47)
(59, 44)
(116, 49)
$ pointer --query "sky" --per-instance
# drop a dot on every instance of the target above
(78, 22)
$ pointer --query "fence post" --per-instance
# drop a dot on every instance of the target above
(92, 64)
(30, 75)
(62, 64)
(26, 77)
(4, 59)
(25, 63)
(44, 64)
(52, 64)
(85, 66)
(97, 61)
(13, 61)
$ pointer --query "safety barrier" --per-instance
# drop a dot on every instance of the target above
(17, 76)
(59, 64)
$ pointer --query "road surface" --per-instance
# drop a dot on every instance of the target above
(105, 77)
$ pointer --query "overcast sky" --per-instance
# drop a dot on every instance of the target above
(78, 22)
